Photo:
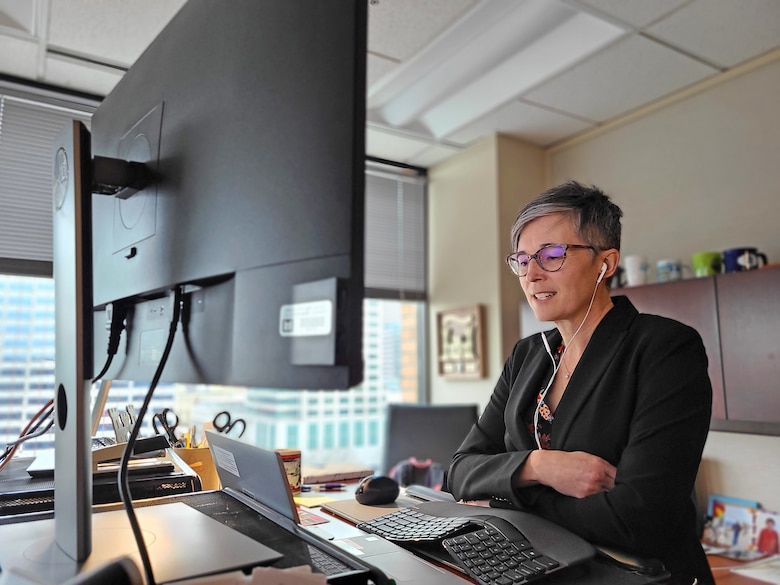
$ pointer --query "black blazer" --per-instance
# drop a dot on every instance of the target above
(641, 399)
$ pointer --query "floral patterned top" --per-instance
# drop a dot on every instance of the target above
(545, 421)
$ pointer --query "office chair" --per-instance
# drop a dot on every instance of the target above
(425, 432)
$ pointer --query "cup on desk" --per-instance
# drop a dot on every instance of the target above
(669, 270)
(200, 461)
(739, 259)
(291, 458)
(706, 263)
(636, 269)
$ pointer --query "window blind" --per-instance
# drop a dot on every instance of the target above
(27, 132)
(395, 234)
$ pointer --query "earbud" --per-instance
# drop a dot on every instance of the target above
(601, 274)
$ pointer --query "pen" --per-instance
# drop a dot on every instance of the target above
(324, 487)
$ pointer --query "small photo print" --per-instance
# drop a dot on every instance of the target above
(729, 525)
(767, 528)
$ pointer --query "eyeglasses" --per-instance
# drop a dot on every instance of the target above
(549, 258)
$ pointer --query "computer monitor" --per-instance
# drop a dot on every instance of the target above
(251, 119)
(248, 118)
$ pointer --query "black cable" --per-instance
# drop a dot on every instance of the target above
(118, 316)
(123, 479)
(107, 365)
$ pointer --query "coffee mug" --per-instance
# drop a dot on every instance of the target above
(739, 259)
(636, 269)
(707, 263)
(669, 269)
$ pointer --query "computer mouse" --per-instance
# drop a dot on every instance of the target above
(376, 490)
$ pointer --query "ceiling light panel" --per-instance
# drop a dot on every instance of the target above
(561, 47)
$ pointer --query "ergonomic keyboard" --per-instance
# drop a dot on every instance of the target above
(489, 548)
(410, 525)
(498, 553)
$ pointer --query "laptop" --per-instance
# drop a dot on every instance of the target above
(257, 478)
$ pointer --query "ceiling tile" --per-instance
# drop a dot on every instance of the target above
(18, 57)
(636, 13)
(67, 73)
(18, 16)
(628, 74)
(432, 155)
(377, 68)
(723, 32)
(524, 121)
(394, 146)
(117, 31)
(398, 29)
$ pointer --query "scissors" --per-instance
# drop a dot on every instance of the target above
(168, 420)
(224, 423)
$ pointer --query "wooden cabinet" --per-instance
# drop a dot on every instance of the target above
(738, 318)
(749, 319)
(693, 302)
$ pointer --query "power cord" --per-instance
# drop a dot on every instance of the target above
(123, 479)
(118, 314)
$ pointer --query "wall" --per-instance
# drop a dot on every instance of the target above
(699, 174)
(700, 171)
(473, 200)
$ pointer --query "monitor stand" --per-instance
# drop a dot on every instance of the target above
(73, 341)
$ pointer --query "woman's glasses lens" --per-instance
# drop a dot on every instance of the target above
(549, 258)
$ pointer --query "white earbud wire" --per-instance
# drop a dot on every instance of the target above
(557, 365)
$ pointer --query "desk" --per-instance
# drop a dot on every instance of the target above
(721, 570)
(595, 571)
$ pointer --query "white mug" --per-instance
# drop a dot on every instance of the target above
(636, 269)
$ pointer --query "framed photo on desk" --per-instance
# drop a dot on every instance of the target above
(460, 334)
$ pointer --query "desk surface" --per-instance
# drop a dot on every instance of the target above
(337, 528)
(721, 570)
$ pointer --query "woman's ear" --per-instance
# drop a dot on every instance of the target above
(611, 259)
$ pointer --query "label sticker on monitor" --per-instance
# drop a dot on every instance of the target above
(306, 319)
(225, 460)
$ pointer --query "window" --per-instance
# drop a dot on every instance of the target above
(327, 426)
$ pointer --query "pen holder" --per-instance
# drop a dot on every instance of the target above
(199, 459)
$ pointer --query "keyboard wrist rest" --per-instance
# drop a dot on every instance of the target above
(547, 537)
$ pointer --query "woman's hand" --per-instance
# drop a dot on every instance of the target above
(577, 474)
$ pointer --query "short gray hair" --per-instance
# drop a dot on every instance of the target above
(596, 218)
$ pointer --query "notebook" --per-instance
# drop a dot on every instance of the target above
(251, 472)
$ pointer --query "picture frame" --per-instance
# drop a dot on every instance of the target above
(461, 345)
(728, 530)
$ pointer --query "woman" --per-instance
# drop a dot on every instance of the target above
(600, 423)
